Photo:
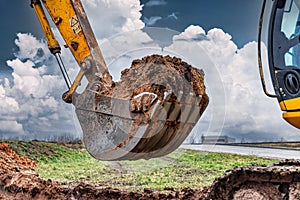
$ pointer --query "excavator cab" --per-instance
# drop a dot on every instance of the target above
(284, 57)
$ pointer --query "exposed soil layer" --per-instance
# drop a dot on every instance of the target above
(252, 191)
(279, 181)
(18, 180)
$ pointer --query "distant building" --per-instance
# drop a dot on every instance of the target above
(217, 139)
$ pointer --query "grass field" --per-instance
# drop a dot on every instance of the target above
(178, 170)
(290, 145)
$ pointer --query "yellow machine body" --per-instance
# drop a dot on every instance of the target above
(292, 117)
(284, 56)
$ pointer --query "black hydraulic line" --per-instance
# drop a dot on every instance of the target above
(63, 70)
(261, 73)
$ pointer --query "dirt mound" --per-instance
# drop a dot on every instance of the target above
(18, 180)
(278, 181)
(10, 161)
(170, 72)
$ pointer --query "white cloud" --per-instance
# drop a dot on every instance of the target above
(152, 20)
(121, 49)
(191, 33)
(7, 104)
(156, 3)
(11, 127)
(30, 48)
(173, 15)
(111, 17)
(32, 93)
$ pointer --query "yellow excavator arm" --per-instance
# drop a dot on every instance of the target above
(71, 21)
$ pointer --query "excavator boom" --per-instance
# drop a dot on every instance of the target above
(71, 21)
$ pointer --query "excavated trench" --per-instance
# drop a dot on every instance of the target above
(18, 180)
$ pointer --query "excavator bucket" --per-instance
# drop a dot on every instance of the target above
(112, 130)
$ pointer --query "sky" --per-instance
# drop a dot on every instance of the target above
(217, 36)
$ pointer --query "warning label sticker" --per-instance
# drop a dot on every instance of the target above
(75, 25)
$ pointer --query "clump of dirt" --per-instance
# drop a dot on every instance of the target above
(168, 73)
(18, 180)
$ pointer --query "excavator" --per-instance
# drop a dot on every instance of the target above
(153, 119)
(110, 131)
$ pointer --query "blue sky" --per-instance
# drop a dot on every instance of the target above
(15, 19)
(236, 17)
(225, 29)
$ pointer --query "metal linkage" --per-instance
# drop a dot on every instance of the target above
(63, 70)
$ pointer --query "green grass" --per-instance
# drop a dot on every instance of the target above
(180, 169)
(290, 145)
